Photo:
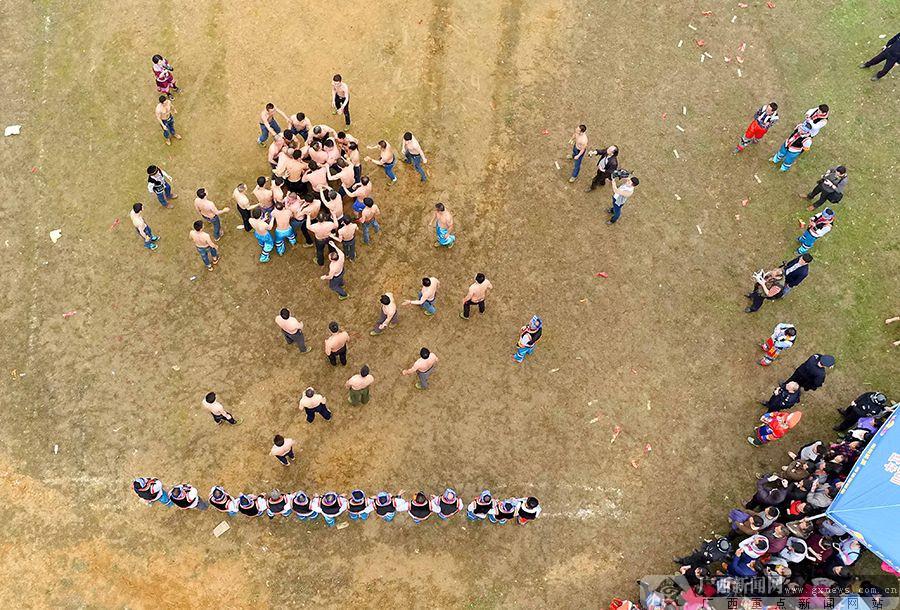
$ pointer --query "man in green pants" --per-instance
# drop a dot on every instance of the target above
(359, 386)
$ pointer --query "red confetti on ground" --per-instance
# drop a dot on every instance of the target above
(700, 42)
(742, 5)
(69, 314)
(616, 432)
(114, 224)
(739, 59)
(743, 47)
(33, 170)
(770, 4)
(635, 463)
(633, 372)
(706, 13)
(545, 132)
(745, 202)
(664, 116)
(647, 448)
(727, 60)
(601, 274)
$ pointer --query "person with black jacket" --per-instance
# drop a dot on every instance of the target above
(606, 165)
(890, 54)
(870, 404)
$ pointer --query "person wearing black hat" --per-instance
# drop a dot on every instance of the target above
(870, 404)
(811, 374)
(358, 505)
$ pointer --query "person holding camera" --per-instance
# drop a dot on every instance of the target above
(606, 165)
(621, 193)
(830, 187)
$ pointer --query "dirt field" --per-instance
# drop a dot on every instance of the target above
(661, 347)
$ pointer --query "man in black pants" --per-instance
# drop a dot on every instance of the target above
(606, 165)
(341, 101)
(830, 187)
(890, 54)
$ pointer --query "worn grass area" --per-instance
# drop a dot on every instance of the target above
(660, 348)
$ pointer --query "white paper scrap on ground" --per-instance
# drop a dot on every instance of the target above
(733, 18)
(343, 525)
(675, 152)
(556, 163)
(55, 449)
(679, 128)
(758, 181)
(684, 110)
(740, 74)
(12, 130)
(699, 231)
(221, 529)
(680, 42)
(55, 234)
(677, 197)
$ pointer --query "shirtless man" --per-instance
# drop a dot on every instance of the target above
(300, 208)
(292, 168)
(332, 152)
(215, 408)
(320, 133)
(355, 160)
(423, 367)
(340, 98)
(316, 152)
(283, 229)
(165, 114)
(263, 196)
(335, 275)
(386, 159)
(333, 202)
(413, 153)
(579, 142)
(143, 230)
(388, 316)
(205, 245)
(292, 329)
(336, 345)
(359, 191)
(239, 194)
(278, 189)
(347, 233)
(261, 231)
(359, 386)
(369, 218)
(442, 221)
(275, 148)
(283, 449)
(426, 296)
(344, 140)
(342, 171)
(322, 231)
(209, 212)
(301, 125)
(476, 295)
(267, 121)
(313, 403)
(317, 176)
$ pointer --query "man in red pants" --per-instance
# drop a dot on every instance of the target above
(764, 118)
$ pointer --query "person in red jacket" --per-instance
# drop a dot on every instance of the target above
(775, 425)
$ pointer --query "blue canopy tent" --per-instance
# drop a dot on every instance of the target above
(868, 505)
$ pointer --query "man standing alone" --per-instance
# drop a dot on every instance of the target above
(292, 329)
